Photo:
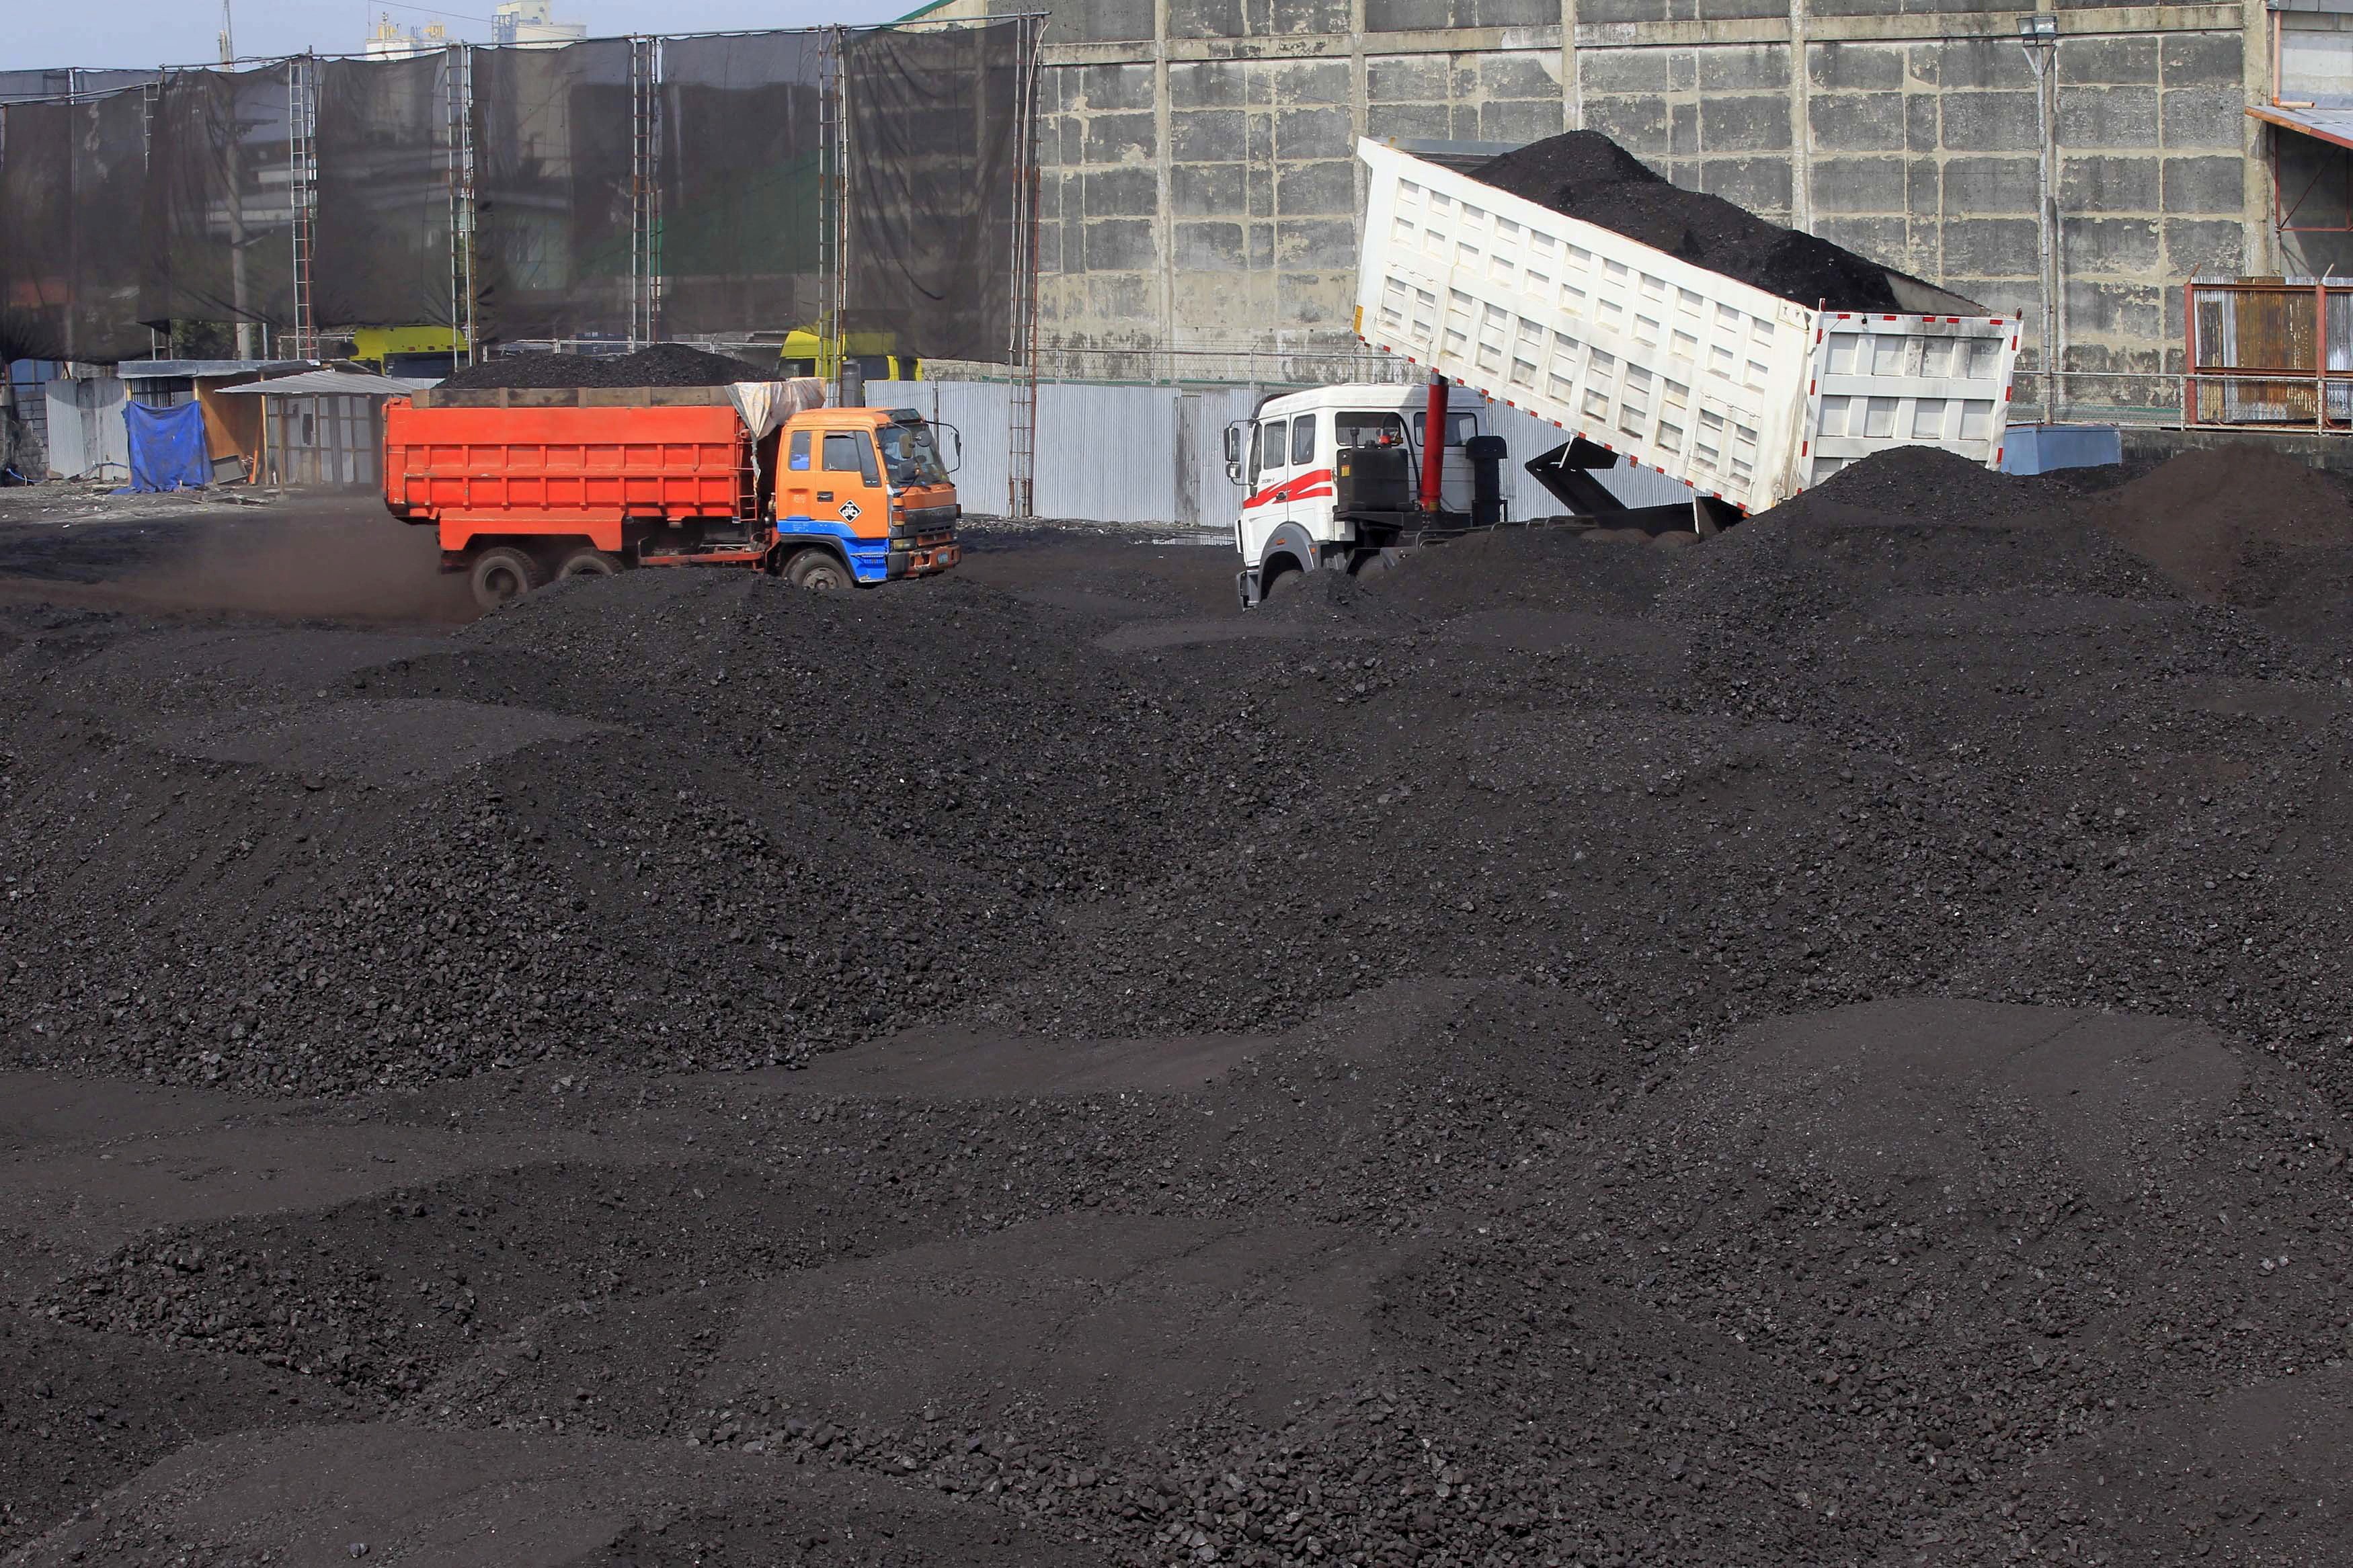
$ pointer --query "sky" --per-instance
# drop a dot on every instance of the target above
(43, 33)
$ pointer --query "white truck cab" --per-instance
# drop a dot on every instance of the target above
(1285, 460)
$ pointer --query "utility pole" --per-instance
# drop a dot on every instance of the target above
(235, 193)
(2039, 36)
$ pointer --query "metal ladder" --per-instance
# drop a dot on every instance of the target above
(458, 64)
(302, 171)
(1021, 418)
(645, 214)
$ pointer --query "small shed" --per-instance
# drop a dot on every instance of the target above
(233, 436)
(325, 428)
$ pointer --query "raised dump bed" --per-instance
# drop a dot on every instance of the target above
(1740, 393)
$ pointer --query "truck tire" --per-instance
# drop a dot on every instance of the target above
(504, 574)
(819, 570)
(589, 562)
(1282, 581)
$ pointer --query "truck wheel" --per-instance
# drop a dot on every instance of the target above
(590, 562)
(1282, 584)
(502, 575)
(818, 568)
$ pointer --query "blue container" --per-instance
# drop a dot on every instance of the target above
(2039, 449)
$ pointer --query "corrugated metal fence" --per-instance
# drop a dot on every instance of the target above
(1157, 454)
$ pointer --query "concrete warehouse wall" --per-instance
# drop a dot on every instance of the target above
(1200, 197)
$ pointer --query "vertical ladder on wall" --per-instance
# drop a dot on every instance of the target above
(302, 171)
(459, 69)
(833, 217)
(1021, 422)
(644, 97)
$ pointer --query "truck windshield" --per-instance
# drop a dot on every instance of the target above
(912, 455)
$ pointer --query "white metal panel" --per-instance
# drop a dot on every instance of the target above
(88, 438)
(1221, 498)
(1106, 453)
(1679, 369)
(978, 410)
(1889, 381)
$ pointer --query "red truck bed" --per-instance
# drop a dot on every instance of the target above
(581, 471)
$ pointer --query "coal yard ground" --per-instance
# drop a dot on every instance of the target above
(1826, 1045)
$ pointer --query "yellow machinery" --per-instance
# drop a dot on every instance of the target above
(373, 345)
(805, 354)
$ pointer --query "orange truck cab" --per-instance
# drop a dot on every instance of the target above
(528, 484)
(868, 487)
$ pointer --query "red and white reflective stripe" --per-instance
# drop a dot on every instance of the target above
(1293, 489)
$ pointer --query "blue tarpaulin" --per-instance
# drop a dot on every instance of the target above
(167, 447)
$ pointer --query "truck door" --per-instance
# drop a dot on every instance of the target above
(1264, 507)
(831, 486)
(797, 485)
(850, 485)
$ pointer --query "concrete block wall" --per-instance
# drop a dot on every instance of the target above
(1200, 187)
(1923, 152)
(1200, 197)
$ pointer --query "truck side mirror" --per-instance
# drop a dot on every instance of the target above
(1234, 453)
(954, 456)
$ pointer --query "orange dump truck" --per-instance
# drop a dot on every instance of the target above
(530, 484)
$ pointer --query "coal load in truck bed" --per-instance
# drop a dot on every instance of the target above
(659, 364)
(1587, 176)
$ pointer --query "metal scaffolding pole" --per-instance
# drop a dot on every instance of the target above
(833, 205)
(645, 215)
(460, 59)
(302, 169)
(1021, 423)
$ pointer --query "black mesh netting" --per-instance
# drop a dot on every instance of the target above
(19, 86)
(741, 201)
(934, 150)
(173, 202)
(553, 160)
(384, 169)
(71, 177)
(219, 219)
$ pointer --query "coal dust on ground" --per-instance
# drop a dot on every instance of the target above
(1821, 1045)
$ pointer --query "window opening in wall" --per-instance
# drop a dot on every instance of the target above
(2311, 184)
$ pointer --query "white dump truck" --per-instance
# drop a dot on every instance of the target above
(1634, 355)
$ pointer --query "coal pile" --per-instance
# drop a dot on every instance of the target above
(657, 364)
(1818, 1047)
(1587, 176)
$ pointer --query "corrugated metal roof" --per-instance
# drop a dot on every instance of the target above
(183, 369)
(2334, 126)
(337, 383)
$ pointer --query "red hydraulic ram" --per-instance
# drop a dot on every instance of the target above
(1433, 446)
